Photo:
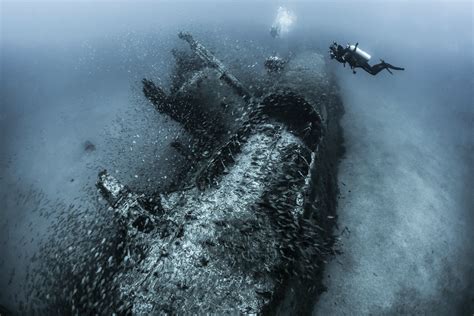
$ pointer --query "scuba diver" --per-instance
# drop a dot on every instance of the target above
(275, 31)
(357, 58)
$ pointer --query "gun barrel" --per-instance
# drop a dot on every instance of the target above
(202, 52)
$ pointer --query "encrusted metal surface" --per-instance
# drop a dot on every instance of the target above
(242, 225)
(223, 253)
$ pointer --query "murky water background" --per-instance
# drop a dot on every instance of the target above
(70, 74)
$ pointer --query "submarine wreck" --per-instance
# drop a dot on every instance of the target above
(247, 227)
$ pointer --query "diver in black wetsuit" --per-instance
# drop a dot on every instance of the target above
(275, 31)
(357, 58)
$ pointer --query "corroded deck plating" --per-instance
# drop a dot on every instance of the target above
(247, 227)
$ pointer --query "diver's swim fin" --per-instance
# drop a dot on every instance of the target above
(392, 66)
(395, 68)
(389, 66)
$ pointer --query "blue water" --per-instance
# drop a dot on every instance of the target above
(70, 73)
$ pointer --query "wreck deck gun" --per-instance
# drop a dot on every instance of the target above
(212, 62)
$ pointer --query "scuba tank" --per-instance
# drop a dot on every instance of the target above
(359, 53)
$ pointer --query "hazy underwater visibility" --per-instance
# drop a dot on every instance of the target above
(236, 157)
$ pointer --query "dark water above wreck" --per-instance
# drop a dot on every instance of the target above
(70, 74)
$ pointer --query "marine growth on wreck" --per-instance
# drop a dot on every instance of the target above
(247, 226)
